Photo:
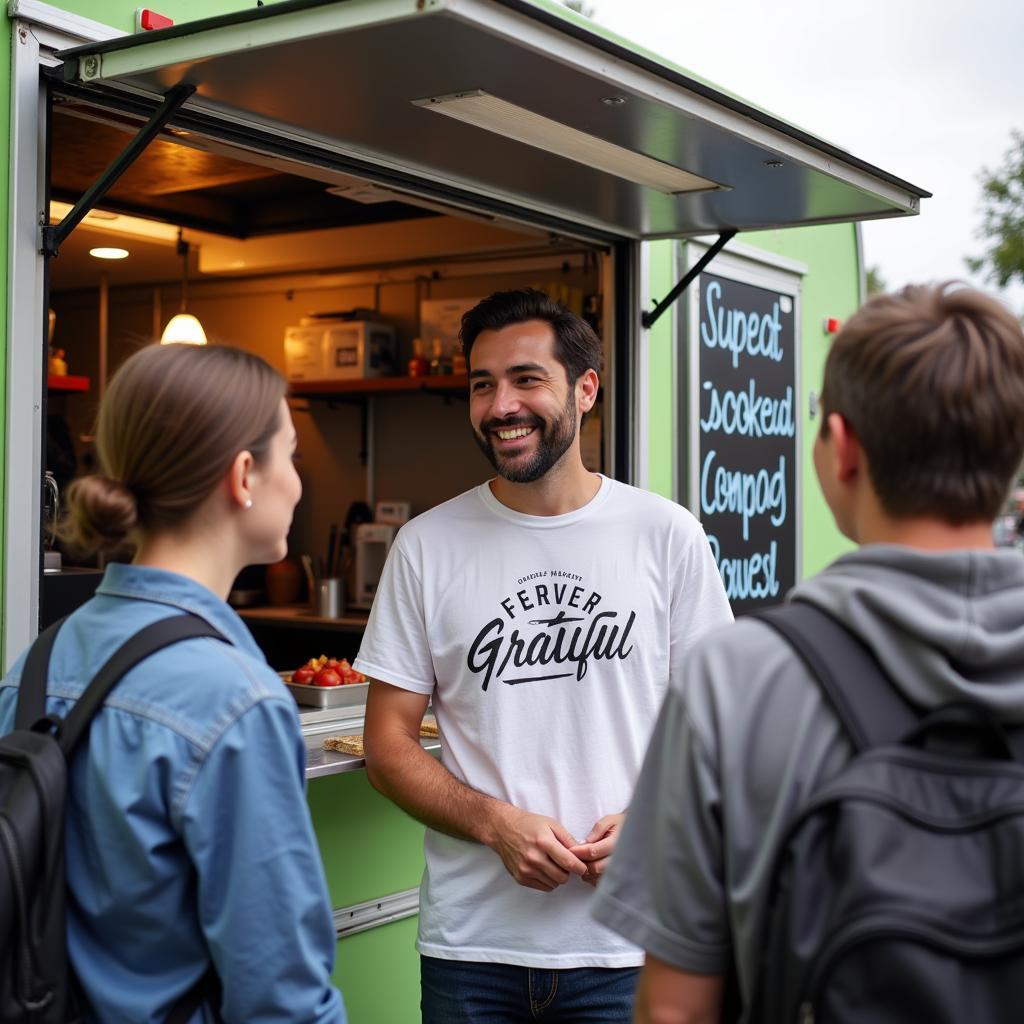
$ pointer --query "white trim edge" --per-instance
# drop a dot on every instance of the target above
(642, 367)
(83, 30)
(360, 917)
(754, 253)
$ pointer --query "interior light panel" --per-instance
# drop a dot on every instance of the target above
(485, 111)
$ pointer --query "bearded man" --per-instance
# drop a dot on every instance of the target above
(545, 612)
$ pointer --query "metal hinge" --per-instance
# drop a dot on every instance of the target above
(650, 319)
(52, 235)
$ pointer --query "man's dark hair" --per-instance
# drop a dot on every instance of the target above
(931, 381)
(577, 347)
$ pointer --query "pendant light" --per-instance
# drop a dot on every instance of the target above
(183, 328)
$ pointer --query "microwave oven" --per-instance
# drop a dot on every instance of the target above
(373, 542)
(339, 350)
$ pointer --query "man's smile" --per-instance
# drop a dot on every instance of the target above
(514, 433)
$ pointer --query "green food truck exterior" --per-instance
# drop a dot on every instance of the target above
(730, 250)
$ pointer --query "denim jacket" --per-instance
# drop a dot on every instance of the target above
(188, 833)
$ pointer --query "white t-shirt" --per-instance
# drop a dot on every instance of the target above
(547, 643)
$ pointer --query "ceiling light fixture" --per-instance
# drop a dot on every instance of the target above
(183, 328)
(503, 118)
(117, 223)
(106, 252)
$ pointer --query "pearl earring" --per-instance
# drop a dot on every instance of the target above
(248, 503)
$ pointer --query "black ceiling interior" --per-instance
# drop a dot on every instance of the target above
(180, 181)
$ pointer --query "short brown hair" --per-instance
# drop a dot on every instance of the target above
(170, 424)
(931, 381)
(577, 347)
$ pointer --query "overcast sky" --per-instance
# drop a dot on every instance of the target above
(925, 89)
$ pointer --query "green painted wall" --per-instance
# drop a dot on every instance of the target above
(361, 861)
(370, 849)
(120, 15)
(378, 972)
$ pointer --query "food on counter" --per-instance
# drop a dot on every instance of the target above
(324, 671)
(327, 677)
(345, 745)
(354, 744)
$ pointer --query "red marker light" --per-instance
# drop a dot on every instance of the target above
(147, 20)
(832, 325)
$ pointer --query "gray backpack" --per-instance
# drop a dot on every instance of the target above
(897, 894)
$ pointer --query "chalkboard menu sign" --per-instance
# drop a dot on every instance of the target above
(744, 472)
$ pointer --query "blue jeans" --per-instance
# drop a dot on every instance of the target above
(466, 992)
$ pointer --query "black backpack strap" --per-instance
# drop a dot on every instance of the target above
(36, 670)
(31, 708)
(872, 710)
(147, 641)
(206, 990)
(1015, 740)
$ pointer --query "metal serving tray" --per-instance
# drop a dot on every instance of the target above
(344, 696)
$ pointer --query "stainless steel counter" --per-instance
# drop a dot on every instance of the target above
(317, 724)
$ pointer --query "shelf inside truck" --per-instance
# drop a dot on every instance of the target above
(446, 384)
(61, 382)
(300, 617)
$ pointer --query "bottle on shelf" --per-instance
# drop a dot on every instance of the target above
(459, 360)
(418, 365)
(440, 365)
(57, 363)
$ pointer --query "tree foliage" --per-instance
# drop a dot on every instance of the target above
(1002, 193)
(874, 281)
(580, 7)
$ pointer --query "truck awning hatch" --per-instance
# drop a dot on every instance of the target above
(505, 103)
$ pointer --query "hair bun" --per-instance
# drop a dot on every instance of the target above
(101, 513)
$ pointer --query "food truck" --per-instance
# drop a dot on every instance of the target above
(331, 183)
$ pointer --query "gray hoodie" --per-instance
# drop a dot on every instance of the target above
(945, 626)
(744, 737)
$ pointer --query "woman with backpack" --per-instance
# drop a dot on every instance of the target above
(188, 843)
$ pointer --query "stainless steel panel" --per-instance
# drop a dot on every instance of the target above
(346, 696)
(345, 76)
